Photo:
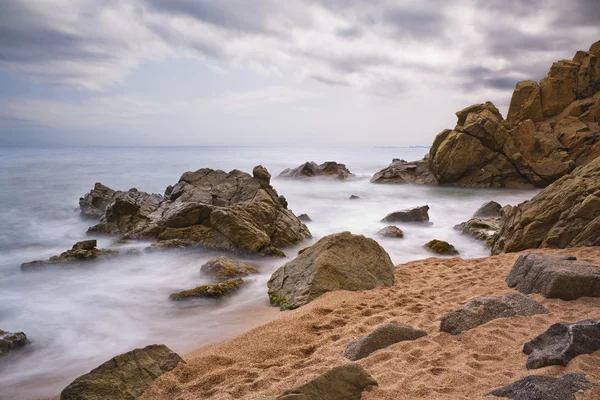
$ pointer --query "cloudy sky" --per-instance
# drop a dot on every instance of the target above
(269, 72)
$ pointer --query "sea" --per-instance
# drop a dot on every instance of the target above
(79, 316)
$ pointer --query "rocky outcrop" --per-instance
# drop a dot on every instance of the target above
(304, 218)
(560, 277)
(341, 261)
(415, 214)
(311, 169)
(82, 251)
(94, 204)
(484, 223)
(441, 247)
(232, 211)
(214, 291)
(491, 209)
(565, 214)
(400, 171)
(11, 341)
(551, 128)
(485, 309)
(392, 232)
(562, 342)
(380, 338)
(125, 376)
(344, 382)
(224, 268)
(542, 387)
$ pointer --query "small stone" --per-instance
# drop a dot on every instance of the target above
(214, 291)
(441, 247)
(380, 338)
(391, 232)
(354, 197)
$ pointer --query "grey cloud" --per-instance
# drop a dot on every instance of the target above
(329, 81)
(415, 23)
(350, 33)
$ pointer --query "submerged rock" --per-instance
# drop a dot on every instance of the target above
(441, 247)
(312, 169)
(400, 171)
(383, 336)
(480, 228)
(354, 197)
(341, 261)
(82, 251)
(214, 291)
(562, 342)
(227, 268)
(391, 232)
(11, 341)
(485, 309)
(304, 218)
(415, 214)
(539, 387)
(125, 376)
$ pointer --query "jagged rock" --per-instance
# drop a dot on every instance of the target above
(491, 209)
(304, 218)
(93, 204)
(539, 387)
(525, 103)
(383, 336)
(441, 247)
(415, 214)
(354, 197)
(565, 214)
(231, 211)
(311, 169)
(214, 291)
(562, 342)
(345, 382)
(560, 277)
(341, 261)
(485, 309)
(391, 232)
(480, 228)
(11, 341)
(82, 251)
(125, 376)
(400, 171)
(226, 268)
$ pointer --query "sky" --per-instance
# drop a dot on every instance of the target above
(269, 72)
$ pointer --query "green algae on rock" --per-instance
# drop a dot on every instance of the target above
(214, 291)
(226, 268)
(441, 247)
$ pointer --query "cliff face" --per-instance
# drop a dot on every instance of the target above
(551, 128)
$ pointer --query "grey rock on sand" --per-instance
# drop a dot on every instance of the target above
(383, 336)
(311, 169)
(538, 387)
(11, 341)
(415, 214)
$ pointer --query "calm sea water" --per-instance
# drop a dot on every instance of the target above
(80, 316)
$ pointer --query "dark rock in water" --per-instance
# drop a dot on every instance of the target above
(125, 376)
(415, 214)
(480, 228)
(560, 277)
(312, 169)
(391, 232)
(400, 171)
(209, 208)
(491, 209)
(441, 247)
(380, 338)
(345, 382)
(93, 204)
(82, 251)
(304, 218)
(341, 261)
(227, 268)
(354, 197)
(539, 387)
(213, 291)
(562, 342)
(485, 309)
(11, 341)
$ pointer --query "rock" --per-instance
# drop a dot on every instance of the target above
(562, 342)
(125, 376)
(485, 309)
(415, 214)
(341, 261)
(226, 268)
(525, 103)
(380, 338)
(480, 228)
(93, 204)
(304, 218)
(208, 208)
(441, 247)
(559, 88)
(560, 277)
(345, 382)
(11, 341)
(400, 171)
(565, 214)
(354, 197)
(214, 291)
(491, 209)
(539, 387)
(312, 169)
(82, 251)
(391, 232)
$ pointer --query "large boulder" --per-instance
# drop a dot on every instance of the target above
(224, 268)
(415, 214)
(85, 250)
(485, 309)
(125, 376)
(400, 171)
(213, 291)
(383, 336)
(311, 169)
(560, 277)
(562, 342)
(11, 341)
(341, 261)
(232, 211)
(565, 214)
(540, 387)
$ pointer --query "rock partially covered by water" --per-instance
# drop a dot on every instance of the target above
(400, 171)
(540, 387)
(304, 218)
(214, 291)
(491, 209)
(226, 268)
(311, 169)
(441, 247)
(383, 336)
(85, 250)
(562, 342)
(125, 376)
(341, 261)
(11, 341)
(93, 204)
(231, 211)
(485, 309)
(392, 232)
(560, 277)
(484, 224)
(415, 214)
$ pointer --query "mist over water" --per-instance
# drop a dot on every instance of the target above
(79, 316)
